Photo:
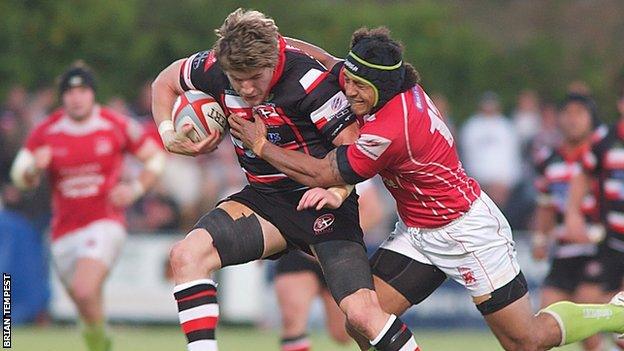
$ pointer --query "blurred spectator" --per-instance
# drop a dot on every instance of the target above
(155, 213)
(526, 117)
(142, 111)
(491, 150)
(579, 87)
(119, 105)
(548, 134)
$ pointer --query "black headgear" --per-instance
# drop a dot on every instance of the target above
(587, 102)
(377, 68)
(76, 76)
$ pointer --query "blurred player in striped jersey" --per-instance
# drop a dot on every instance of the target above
(604, 162)
(574, 269)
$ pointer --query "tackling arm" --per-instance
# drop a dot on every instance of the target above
(319, 54)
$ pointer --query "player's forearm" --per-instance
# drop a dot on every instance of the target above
(579, 185)
(300, 167)
(544, 220)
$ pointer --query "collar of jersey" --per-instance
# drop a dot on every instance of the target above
(281, 60)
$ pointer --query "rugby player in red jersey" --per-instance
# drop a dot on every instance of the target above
(448, 226)
(250, 67)
(81, 148)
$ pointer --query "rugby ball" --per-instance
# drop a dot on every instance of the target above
(200, 110)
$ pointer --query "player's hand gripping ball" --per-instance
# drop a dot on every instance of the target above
(201, 111)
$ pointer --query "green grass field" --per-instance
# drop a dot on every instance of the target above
(231, 339)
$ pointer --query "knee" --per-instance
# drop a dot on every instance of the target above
(84, 294)
(359, 307)
(189, 255)
(521, 344)
(339, 335)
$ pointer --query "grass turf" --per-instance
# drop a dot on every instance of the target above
(126, 338)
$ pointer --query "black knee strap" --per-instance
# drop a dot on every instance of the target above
(505, 295)
(345, 267)
(237, 241)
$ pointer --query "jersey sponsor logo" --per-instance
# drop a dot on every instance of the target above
(417, 99)
(467, 275)
(323, 224)
(372, 145)
(336, 107)
(81, 186)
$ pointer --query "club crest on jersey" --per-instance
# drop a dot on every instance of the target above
(103, 146)
(323, 224)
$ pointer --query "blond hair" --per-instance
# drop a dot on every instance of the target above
(246, 40)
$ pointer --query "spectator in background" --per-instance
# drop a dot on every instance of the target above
(491, 149)
(548, 134)
(579, 87)
(526, 117)
(80, 147)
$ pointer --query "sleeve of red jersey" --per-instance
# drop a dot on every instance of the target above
(35, 139)
(325, 103)
(194, 72)
(362, 160)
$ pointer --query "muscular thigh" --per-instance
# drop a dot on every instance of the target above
(237, 233)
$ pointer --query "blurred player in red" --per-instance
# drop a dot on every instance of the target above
(574, 270)
(299, 280)
(448, 226)
(81, 148)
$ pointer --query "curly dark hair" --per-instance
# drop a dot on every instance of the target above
(380, 40)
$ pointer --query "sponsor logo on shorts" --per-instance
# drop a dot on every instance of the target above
(467, 275)
(323, 224)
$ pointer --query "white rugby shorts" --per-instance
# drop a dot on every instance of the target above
(476, 250)
(101, 240)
